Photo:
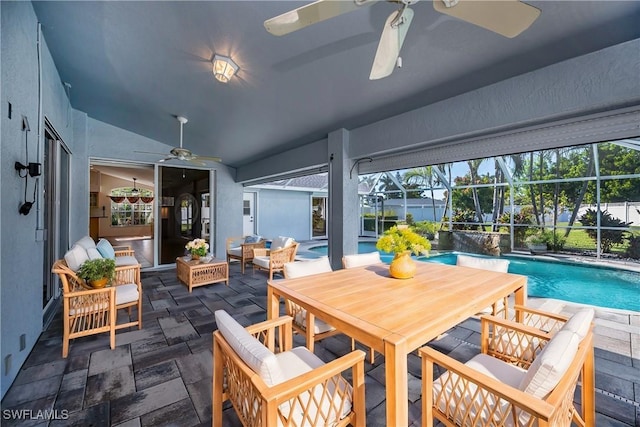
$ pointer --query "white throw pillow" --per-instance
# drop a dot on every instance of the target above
(93, 253)
(86, 242)
(75, 257)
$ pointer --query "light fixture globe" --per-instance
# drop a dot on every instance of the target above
(223, 68)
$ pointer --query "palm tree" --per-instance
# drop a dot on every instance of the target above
(474, 165)
(423, 177)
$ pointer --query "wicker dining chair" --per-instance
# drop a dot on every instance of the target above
(516, 385)
(269, 383)
(306, 323)
(88, 311)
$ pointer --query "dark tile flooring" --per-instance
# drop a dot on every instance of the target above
(161, 375)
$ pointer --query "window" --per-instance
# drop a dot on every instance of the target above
(129, 208)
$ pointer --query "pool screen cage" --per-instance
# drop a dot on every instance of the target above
(555, 193)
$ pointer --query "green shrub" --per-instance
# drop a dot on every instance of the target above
(96, 269)
(425, 228)
(608, 238)
(633, 251)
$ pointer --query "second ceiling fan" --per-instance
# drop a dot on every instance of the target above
(180, 153)
(506, 17)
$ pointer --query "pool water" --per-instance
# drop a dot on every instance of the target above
(594, 285)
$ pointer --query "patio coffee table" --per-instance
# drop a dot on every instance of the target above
(198, 273)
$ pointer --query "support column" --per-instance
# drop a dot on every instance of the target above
(343, 199)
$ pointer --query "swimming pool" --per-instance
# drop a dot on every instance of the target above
(594, 285)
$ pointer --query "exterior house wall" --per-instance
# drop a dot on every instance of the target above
(22, 245)
(284, 213)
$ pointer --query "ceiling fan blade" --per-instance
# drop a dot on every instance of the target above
(208, 158)
(390, 43)
(506, 17)
(310, 14)
(166, 159)
(149, 152)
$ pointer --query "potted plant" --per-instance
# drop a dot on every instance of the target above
(98, 272)
(198, 248)
(403, 242)
(537, 242)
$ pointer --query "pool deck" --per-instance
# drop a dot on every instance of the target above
(161, 375)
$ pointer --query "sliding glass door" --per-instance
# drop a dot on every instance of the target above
(186, 203)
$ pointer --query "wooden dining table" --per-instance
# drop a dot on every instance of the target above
(396, 316)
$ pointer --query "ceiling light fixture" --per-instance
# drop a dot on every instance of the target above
(223, 68)
(134, 190)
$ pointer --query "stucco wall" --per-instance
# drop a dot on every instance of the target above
(284, 213)
(22, 247)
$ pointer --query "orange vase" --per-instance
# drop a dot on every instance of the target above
(195, 257)
(403, 266)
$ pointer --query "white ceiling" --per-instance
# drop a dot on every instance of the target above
(137, 65)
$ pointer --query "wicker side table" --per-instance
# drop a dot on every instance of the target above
(197, 273)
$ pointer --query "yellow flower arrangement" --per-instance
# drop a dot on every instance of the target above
(397, 240)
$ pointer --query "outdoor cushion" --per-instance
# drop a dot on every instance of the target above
(126, 260)
(252, 352)
(281, 242)
(262, 261)
(126, 293)
(580, 322)
(550, 365)
(319, 325)
(360, 260)
(75, 257)
(495, 368)
(235, 251)
(298, 361)
(307, 268)
(252, 239)
(499, 265)
(105, 249)
(86, 242)
(93, 253)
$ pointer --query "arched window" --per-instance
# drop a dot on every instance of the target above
(131, 208)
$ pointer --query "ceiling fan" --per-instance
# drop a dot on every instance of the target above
(506, 17)
(179, 153)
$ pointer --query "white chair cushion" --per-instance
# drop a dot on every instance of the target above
(252, 352)
(75, 257)
(93, 253)
(296, 362)
(281, 242)
(498, 265)
(262, 261)
(105, 249)
(126, 260)
(550, 365)
(235, 251)
(86, 242)
(546, 324)
(307, 268)
(360, 260)
(127, 293)
(580, 322)
(319, 326)
(487, 365)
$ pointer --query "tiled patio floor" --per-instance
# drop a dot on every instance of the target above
(161, 375)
